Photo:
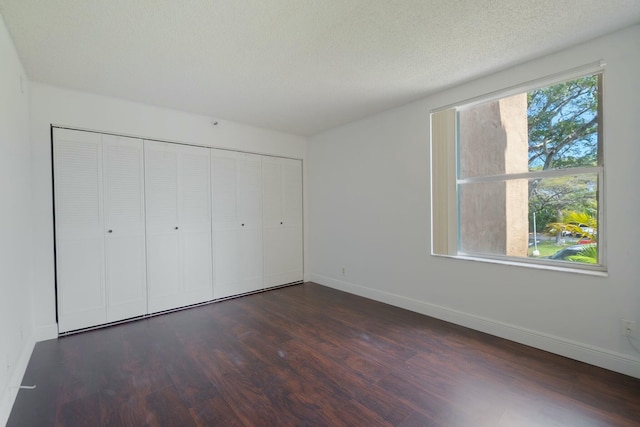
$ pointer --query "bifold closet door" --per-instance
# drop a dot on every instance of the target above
(99, 228)
(236, 183)
(178, 225)
(79, 229)
(282, 196)
(194, 213)
(125, 254)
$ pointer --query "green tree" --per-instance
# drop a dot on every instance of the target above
(563, 124)
(563, 132)
(554, 195)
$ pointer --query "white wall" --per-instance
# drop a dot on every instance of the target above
(16, 326)
(51, 105)
(370, 213)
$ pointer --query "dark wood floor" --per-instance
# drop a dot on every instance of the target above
(308, 355)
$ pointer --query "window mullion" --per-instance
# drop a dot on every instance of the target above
(549, 173)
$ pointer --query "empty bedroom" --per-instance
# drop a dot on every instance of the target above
(328, 213)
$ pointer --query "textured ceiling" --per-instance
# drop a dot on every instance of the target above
(300, 66)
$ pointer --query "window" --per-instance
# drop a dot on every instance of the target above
(519, 175)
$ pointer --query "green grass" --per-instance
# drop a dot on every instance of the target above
(547, 248)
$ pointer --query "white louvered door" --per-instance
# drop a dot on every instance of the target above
(282, 195)
(194, 213)
(125, 257)
(146, 226)
(178, 225)
(163, 259)
(79, 229)
(236, 182)
(99, 218)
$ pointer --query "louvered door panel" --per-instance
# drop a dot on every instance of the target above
(249, 190)
(237, 222)
(79, 225)
(223, 185)
(226, 248)
(162, 237)
(283, 246)
(161, 184)
(125, 227)
(194, 212)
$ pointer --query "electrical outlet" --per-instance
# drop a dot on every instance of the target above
(628, 328)
(344, 271)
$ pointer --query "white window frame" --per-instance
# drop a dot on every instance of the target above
(445, 239)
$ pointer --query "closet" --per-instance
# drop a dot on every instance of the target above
(99, 228)
(146, 226)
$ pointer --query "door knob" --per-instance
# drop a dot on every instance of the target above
(110, 231)
(176, 228)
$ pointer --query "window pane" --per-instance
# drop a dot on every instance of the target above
(563, 124)
(497, 218)
(492, 138)
(554, 127)
(493, 218)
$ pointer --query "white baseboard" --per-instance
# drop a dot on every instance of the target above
(9, 394)
(574, 350)
(47, 332)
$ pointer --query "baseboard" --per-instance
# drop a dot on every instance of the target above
(574, 350)
(9, 394)
(47, 332)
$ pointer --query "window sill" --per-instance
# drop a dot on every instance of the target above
(602, 272)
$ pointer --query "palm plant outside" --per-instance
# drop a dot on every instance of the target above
(584, 225)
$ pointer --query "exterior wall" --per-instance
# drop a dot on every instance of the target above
(493, 140)
(514, 120)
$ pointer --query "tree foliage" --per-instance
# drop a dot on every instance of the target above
(563, 124)
(575, 223)
(553, 196)
(563, 133)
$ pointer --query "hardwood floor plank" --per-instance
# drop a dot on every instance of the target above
(365, 367)
(416, 419)
(37, 407)
(318, 323)
(297, 364)
(353, 327)
(115, 411)
(192, 386)
(167, 409)
(310, 355)
(323, 370)
(248, 401)
(440, 411)
(215, 412)
(603, 390)
(80, 412)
